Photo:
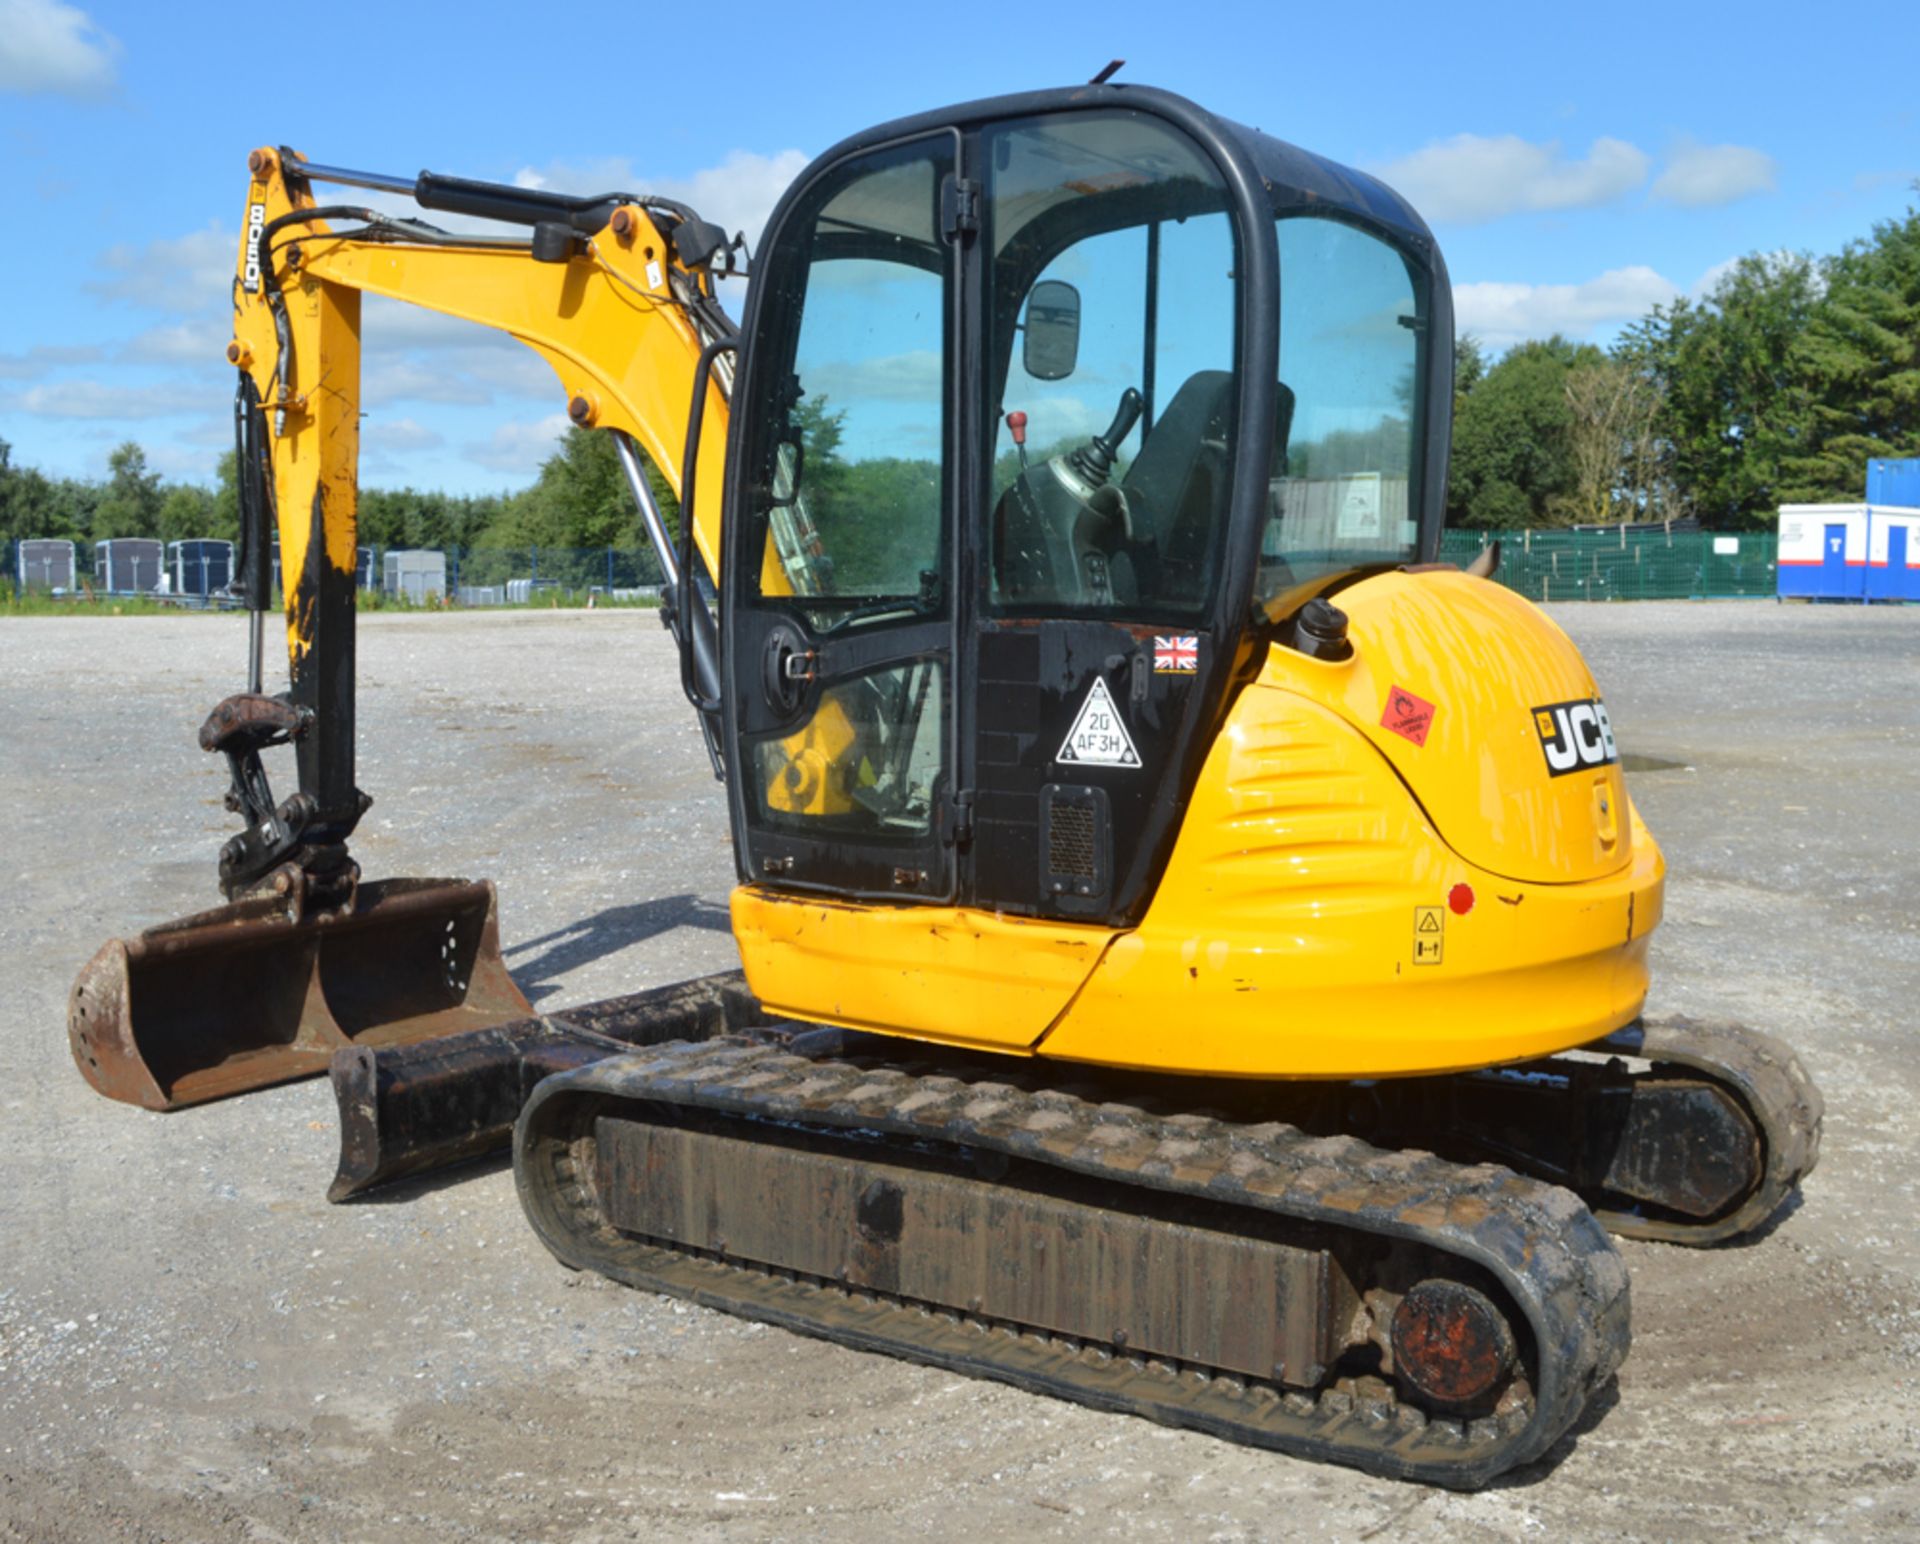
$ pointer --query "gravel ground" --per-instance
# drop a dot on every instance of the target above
(194, 1345)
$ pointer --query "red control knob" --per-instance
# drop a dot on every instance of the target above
(1017, 427)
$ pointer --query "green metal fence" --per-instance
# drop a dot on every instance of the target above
(1625, 563)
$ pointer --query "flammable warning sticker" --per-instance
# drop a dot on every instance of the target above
(1408, 716)
(1429, 934)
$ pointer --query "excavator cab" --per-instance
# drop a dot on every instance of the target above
(1047, 417)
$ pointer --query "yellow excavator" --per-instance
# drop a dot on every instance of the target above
(1193, 942)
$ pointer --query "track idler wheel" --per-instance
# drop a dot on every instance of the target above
(1451, 1344)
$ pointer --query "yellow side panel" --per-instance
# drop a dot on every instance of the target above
(1286, 938)
(932, 973)
(1483, 658)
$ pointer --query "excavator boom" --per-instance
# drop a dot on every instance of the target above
(616, 294)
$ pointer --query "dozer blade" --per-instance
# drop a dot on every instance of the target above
(243, 996)
(408, 1109)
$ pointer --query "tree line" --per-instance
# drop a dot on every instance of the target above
(1776, 386)
(580, 499)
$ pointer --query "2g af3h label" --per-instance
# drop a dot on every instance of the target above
(1575, 735)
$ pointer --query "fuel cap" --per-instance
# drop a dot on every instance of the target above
(1320, 631)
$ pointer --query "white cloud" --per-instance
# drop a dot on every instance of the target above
(98, 399)
(520, 447)
(188, 275)
(1500, 315)
(1704, 285)
(399, 434)
(475, 374)
(738, 194)
(179, 343)
(1471, 178)
(1773, 264)
(47, 47)
(1700, 176)
(43, 358)
(914, 376)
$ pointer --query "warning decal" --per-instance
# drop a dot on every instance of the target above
(1429, 932)
(1099, 738)
(1408, 716)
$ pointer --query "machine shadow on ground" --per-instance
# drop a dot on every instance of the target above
(607, 932)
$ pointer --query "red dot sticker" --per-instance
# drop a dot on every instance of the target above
(1460, 899)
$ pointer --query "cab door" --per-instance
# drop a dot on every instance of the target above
(838, 592)
(1101, 642)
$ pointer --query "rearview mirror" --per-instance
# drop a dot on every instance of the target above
(1053, 330)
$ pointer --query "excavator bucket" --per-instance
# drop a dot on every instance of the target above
(246, 996)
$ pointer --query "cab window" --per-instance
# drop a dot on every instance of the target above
(1112, 346)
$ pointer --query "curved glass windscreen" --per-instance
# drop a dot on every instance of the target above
(1343, 492)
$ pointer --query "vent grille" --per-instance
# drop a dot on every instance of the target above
(1070, 834)
(1076, 843)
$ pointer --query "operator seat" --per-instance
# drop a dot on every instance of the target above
(1174, 486)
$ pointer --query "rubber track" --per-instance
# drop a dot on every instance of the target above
(1547, 1251)
(1780, 1099)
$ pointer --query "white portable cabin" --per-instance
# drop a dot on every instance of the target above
(129, 565)
(416, 574)
(1859, 552)
(44, 563)
(521, 592)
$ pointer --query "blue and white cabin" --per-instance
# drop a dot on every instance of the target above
(1893, 553)
(128, 565)
(1823, 551)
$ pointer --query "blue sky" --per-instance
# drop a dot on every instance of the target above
(1577, 165)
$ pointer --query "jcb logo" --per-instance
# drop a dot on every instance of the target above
(1575, 735)
(250, 275)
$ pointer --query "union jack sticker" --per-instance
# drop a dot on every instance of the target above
(1177, 655)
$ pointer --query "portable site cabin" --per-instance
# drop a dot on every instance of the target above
(128, 565)
(1895, 483)
(200, 566)
(1893, 552)
(415, 574)
(44, 563)
(1861, 552)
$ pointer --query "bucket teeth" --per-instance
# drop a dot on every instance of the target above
(243, 996)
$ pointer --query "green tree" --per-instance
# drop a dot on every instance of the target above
(581, 500)
(223, 520)
(29, 503)
(186, 513)
(1731, 374)
(1860, 358)
(130, 505)
(1512, 448)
